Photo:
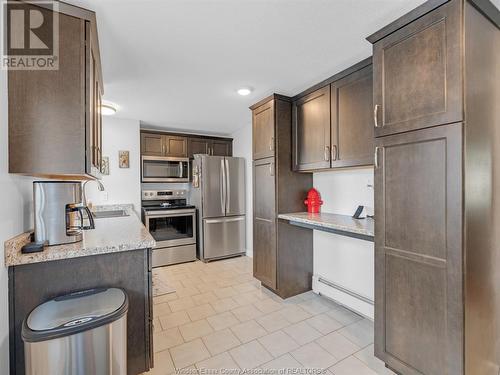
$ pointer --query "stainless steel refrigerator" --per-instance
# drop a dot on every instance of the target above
(218, 192)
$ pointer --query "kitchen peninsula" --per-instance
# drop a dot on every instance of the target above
(117, 253)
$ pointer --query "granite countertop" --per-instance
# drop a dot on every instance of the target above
(341, 224)
(110, 235)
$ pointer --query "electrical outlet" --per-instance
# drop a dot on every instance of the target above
(105, 196)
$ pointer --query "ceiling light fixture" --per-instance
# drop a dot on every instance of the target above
(244, 91)
(108, 109)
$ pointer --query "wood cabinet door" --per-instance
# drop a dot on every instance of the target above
(98, 126)
(175, 146)
(352, 128)
(264, 222)
(418, 251)
(417, 73)
(311, 131)
(198, 146)
(91, 92)
(263, 131)
(152, 144)
(222, 148)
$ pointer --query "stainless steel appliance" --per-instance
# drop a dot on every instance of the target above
(165, 169)
(60, 215)
(218, 191)
(78, 334)
(172, 223)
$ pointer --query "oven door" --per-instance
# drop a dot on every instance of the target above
(172, 227)
(165, 169)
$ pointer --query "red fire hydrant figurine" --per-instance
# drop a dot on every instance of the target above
(313, 201)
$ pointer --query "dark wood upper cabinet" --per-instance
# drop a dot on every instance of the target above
(175, 146)
(155, 143)
(417, 73)
(352, 126)
(333, 124)
(93, 121)
(152, 144)
(311, 131)
(222, 148)
(263, 131)
(54, 115)
(198, 146)
(418, 255)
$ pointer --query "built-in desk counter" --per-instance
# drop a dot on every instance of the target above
(339, 224)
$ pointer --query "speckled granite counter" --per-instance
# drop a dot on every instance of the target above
(338, 224)
(110, 235)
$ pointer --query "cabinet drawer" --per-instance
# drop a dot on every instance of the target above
(417, 73)
(223, 236)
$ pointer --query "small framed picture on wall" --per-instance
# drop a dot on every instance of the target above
(105, 165)
(124, 159)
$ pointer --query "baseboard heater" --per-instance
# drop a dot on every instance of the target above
(345, 296)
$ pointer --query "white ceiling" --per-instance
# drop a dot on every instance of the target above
(178, 63)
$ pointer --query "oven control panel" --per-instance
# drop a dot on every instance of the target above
(163, 194)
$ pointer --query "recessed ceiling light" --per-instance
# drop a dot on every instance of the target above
(244, 91)
(108, 109)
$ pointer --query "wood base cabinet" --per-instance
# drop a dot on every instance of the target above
(33, 284)
(418, 256)
(282, 254)
(437, 190)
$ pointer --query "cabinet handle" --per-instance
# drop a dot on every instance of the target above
(334, 152)
(271, 144)
(163, 149)
(375, 115)
(327, 153)
(271, 169)
(376, 157)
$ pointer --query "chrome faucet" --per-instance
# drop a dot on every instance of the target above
(100, 186)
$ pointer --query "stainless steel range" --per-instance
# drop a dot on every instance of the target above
(172, 223)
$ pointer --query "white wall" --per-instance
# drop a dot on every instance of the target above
(123, 184)
(346, 261)
(15, 218)
(242, 146)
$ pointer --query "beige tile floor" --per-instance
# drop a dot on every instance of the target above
(221, 318)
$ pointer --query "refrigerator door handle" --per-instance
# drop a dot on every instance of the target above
(223, 186)
(228, 186)
(224, 220)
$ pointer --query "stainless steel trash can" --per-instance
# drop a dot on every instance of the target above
(80, 333)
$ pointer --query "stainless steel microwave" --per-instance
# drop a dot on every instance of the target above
(165, 169)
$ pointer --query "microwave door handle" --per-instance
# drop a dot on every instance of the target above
(228, 186)
(180, 169)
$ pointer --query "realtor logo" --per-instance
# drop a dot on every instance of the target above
(30, 35)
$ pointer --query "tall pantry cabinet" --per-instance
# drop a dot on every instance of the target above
(437, 189)
(282, 253)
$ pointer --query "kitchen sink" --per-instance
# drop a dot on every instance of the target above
(109, 214)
